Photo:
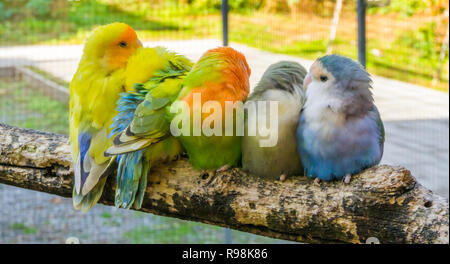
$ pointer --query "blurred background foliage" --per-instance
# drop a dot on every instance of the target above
(404, 36)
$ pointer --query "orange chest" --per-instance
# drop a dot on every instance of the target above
(214, 95)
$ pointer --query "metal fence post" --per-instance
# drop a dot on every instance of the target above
(361, 9)
(227, 235)
(225, 22)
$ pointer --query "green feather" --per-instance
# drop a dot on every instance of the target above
(143, 140)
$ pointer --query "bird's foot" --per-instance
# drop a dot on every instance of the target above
(317, 181)
(282, 177)
(347, 178)
(223, 168)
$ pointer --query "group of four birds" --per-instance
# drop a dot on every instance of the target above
(121, 95)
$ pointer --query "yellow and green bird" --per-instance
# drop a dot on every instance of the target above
(94, 91)
(142, 129)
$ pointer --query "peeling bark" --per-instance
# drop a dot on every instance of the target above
(384, 202)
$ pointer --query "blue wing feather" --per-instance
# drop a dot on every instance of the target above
(126, 107)
(131, 172)
(84, 142)
(131, 166)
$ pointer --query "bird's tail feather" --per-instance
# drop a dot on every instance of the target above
(131, 179)
(85, 202)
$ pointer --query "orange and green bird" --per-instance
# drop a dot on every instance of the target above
(142, 129)
(94, 91)
(221, 75)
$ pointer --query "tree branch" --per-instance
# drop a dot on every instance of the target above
(384, 202)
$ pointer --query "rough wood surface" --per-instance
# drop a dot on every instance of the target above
(384, 202)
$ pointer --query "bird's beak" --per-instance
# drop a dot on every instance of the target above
(307, 81)
(139, 43)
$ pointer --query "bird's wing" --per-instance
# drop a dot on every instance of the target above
(141, 125)
(89, 122)
(142, 117)
(90, 167)
(375, 115)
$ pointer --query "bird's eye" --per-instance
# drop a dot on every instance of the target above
(323, 78)
(123, 44)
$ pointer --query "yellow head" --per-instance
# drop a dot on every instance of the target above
(111, 46)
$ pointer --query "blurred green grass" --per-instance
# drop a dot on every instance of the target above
(27, 230)
(49, 76)
(170, 230)
(411, 54)
(23, 107)
(151, 22)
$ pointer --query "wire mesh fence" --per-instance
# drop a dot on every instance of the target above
(404, 38)
(407, 40)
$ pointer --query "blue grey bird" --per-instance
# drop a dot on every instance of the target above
(282, 83)
(340, 131)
